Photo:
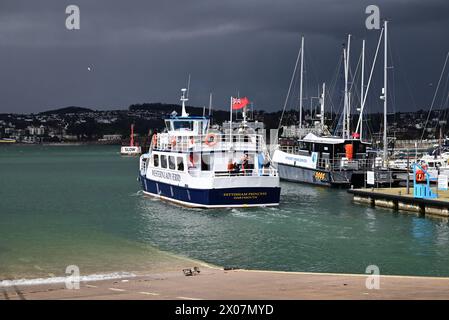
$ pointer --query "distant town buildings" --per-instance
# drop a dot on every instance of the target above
(75, 124)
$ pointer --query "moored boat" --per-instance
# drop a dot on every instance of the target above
(327, 161)
(7, 140)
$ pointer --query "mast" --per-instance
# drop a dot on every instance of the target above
(188, 86)
(210, 103)
(301, 83)
(347, 112)
(230, 121)
(348, 127)
(369, 80)
(244, 116)
(362, 88)
(385, 89)
(343, 134)
(322, 105)
(183, 100)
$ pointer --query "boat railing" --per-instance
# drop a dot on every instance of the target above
(210, 142)
(248, 172)
(290, 149)
(235, 173)
(344, 163)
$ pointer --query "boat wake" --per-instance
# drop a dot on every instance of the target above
(136, 194)
(242, 214)
(51, 280)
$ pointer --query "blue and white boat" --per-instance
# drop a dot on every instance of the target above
(194, 165)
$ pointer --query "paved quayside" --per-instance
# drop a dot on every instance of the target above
(241, 284)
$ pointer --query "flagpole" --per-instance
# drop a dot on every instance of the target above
(230, 123)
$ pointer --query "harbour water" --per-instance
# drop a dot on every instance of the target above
(81, 205)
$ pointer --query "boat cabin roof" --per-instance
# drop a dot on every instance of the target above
(190, 125)
(328, 140)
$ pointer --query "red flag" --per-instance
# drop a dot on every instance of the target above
(239, 103)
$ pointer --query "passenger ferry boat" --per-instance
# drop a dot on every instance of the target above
(132, 149)
(193, 165)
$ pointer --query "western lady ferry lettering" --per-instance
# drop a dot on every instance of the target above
(166, 175)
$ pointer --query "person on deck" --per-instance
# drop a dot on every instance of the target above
(231, 166)
(244, 166)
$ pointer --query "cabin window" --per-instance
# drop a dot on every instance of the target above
(206, 162)
(180, 163)
(163, 161)
(183, 125)
(171, 163)
(156, 160)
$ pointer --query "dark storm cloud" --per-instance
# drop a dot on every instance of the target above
(144, 50)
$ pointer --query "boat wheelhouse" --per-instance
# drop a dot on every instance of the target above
(195, 166)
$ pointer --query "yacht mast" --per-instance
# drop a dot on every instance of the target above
(323, 95)
(301, 83)
(346, 109)
(362, 89)
(348, 101)
(369, 80)
(385, 89)
(343, 134)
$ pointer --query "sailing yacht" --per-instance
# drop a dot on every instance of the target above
(193, 165)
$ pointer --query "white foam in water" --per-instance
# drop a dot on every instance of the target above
(92, 277)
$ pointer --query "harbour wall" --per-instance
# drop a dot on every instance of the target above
(401, 202)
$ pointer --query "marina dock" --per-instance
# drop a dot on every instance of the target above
(399, 199)
(212, 284)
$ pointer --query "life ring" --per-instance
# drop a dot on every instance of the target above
(420, 176)
(211, 139)
(173, 141)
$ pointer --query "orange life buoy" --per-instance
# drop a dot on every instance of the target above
(173, 141)
(211, 139)
(420, 176)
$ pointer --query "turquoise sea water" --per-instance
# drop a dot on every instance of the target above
(81, 206)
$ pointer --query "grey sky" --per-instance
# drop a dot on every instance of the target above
(143, 51)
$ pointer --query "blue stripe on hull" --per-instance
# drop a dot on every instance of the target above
(257, 196)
